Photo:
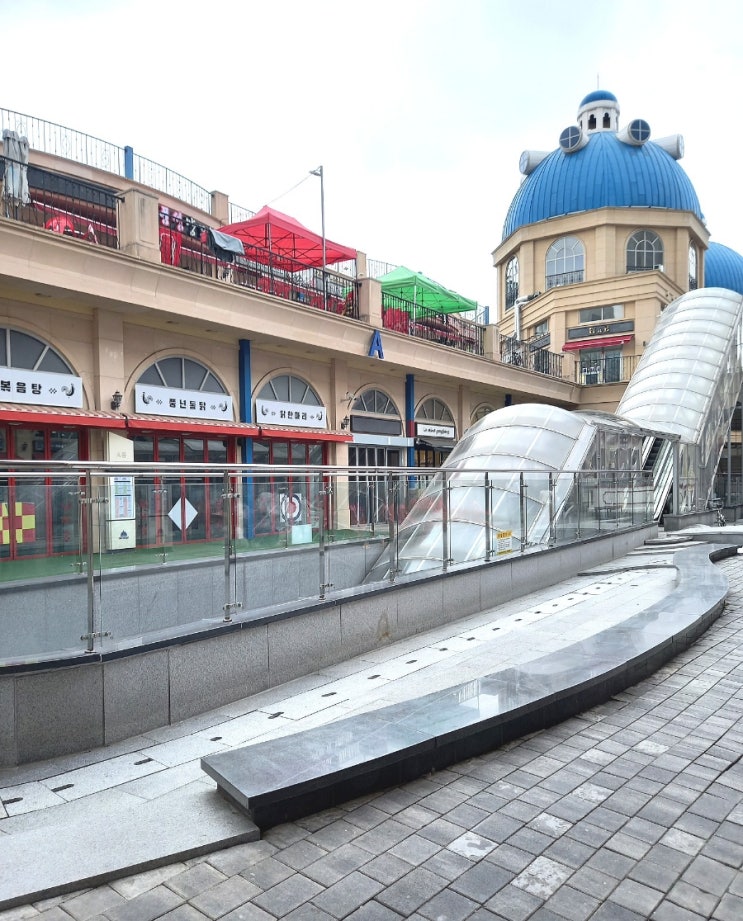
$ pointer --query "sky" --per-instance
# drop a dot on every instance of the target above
(417, 110)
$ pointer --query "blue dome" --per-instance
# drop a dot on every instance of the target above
(598, 96)
(606, 173)
(723, 268)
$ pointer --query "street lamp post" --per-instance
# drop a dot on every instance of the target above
(319, 172)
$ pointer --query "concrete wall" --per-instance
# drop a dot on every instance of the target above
(52, 709)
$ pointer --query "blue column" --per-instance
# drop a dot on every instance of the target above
(129, 163)
(246, 415)
(410, 415)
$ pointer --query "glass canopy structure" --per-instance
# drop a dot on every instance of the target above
(536, 474)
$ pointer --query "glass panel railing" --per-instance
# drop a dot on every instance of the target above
(98, 558)
(42, 538)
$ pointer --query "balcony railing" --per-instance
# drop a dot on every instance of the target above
(607, 370)
(59, 141)
(404, 316)
(525, 354)
(564, 278)
(64, 205)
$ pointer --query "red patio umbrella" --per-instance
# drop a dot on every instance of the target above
(281, 241)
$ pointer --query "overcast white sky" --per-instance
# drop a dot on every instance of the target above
(417, 110)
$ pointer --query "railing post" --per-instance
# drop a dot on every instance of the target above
(325, 582)
(577, 494)
(230, 562)
(488, 518)
(88, 499)
(551, 508)
(445, 534)
(523, 511)
(393, 493)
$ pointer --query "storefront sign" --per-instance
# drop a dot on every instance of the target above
(275, 412)
(426, 430)
(192, 404)
(40, 388)
(601, 329)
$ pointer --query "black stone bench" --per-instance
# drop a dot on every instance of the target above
(284, 778)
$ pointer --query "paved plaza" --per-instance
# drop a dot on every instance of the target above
(631, 810)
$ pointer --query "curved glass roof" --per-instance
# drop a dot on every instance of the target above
(682, 368)
(604, 173)
(513, 447)
(723, 268)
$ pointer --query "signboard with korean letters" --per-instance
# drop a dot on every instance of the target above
(173, 401)
(40, 388)
(276, 412)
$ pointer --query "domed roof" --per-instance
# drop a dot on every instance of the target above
(598, 96)
(602, 171)
(723, 268)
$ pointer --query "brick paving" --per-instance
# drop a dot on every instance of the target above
(631, 811)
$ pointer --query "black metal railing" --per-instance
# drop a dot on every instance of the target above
(403, 316)
(525, 354)
(606, 370)
(564, 278)
(185, 243)
(60, 204)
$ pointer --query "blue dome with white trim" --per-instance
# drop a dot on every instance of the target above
(723, 268)
(605, 168)
(598, 96)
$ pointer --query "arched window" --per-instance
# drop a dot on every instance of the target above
(374, 412)
(565, 262)
(512, 282)
(484, 409)
(434, 410)
(182, 373)
(286, 388)
(376, 402)
(693, 277)
(21, 350)
(644, 251)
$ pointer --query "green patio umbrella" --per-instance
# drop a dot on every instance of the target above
(422, 291)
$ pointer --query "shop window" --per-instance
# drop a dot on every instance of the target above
(565, 262)
(285, 501)
(371, 501)
(644, 251)
(39, 516)
(177, 509)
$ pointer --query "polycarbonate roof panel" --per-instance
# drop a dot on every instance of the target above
(685, 363)
(605, 173)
